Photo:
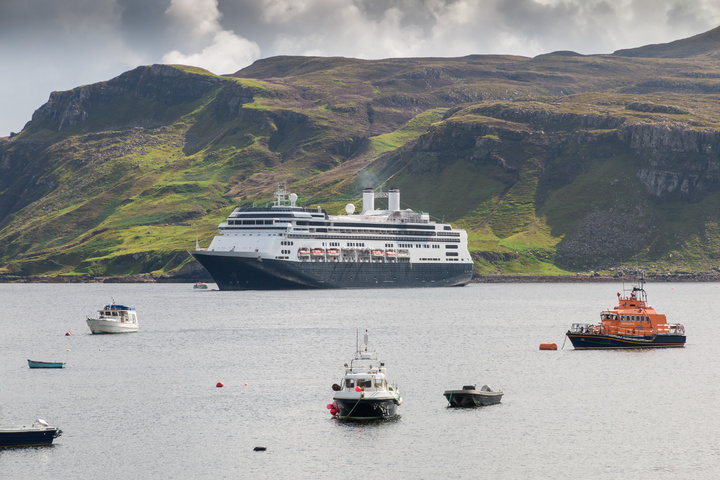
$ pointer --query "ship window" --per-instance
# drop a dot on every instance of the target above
(622, 318)
(379, 383)
(632, 318)
(349, 383)
(364, 383)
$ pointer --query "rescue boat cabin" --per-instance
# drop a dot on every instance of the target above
(632, 316)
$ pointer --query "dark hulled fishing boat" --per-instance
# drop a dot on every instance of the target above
(364, 392)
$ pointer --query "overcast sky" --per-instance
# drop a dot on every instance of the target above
(48, 45)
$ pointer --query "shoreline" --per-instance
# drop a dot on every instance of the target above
(578, 278)
(597, 278)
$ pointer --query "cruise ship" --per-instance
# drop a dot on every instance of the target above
(284, 246)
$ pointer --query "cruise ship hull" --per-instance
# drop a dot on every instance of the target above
(233, 272)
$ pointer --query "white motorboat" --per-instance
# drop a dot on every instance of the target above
(114, 319)
(364, 392)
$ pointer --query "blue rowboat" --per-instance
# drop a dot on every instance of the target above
(34, 364)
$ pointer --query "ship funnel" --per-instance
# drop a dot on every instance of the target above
(394, 199)
(368, 200)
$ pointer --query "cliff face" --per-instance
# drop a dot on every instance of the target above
(623, 174)
(675, 159)
(554, 164)
(159, 86)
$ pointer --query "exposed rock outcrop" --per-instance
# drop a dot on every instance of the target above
(675, 158)
(164, 84)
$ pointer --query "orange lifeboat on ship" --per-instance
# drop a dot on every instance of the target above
(333, 252)
(318, 251)
(390, 253)
(377, 253)
(304, 252)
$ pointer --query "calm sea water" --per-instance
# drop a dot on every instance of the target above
(145, 405)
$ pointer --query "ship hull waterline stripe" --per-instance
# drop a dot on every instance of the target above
(234, 272)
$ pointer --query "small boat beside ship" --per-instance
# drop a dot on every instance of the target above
(631, 324)
(470, 397)
(364, 392)
(114, 318)
(37, 434)
(36, 364)
(200, 286)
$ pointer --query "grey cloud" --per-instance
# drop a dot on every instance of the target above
(64, 43)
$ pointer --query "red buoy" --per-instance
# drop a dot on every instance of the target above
(67, 334)
(220, 384)
(333, 411)
(548, 346)
(358, 389)
(329, 406)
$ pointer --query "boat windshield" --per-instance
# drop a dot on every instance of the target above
(362, 382)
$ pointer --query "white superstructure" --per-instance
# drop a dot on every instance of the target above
(288, 232)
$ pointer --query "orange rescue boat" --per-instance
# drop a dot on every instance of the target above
(631, 324)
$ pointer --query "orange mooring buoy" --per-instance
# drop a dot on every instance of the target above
(548, 346)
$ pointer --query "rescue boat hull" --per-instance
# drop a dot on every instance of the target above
(591, 341)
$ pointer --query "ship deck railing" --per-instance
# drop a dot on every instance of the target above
(594, 329)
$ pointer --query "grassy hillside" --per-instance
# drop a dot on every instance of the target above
(555, 164)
